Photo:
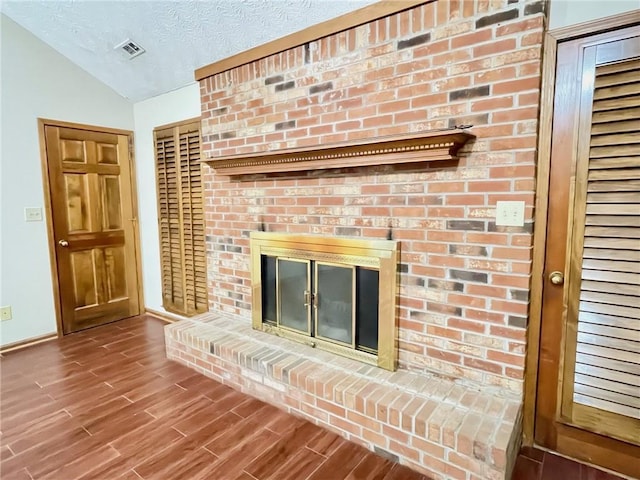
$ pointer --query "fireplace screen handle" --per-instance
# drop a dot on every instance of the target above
(310, 298)
(307, 298)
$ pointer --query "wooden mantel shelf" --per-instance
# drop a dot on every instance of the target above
(417, 147)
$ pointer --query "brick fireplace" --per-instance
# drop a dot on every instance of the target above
(452, 409)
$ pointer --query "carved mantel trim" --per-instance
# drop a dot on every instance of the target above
(417, 147)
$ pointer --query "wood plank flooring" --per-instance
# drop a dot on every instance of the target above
(106, 404)
(535, 464)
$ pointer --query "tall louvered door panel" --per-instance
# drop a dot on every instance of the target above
(590, 401)
(604, 296)
(181, 218)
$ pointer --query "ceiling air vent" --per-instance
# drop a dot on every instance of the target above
(131, 48)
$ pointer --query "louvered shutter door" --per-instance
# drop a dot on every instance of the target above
(168, 212)
(193, 223)
(181, 219)
(607, 370)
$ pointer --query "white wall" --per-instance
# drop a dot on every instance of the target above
(181, 104)
(570, 12)
(36, 81)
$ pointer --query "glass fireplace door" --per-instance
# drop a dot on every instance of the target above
(294, 298)
(334, 303)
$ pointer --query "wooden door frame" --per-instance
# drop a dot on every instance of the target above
(48, 208)
(550, 48)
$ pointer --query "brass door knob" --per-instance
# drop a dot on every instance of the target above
(557, 278)
(63, 243)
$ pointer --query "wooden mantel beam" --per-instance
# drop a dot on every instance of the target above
(427, 146)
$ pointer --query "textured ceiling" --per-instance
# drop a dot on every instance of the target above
(179, 36)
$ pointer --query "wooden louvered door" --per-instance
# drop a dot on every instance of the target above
(181, 218)
(589, 374)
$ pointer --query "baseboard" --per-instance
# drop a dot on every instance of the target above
(164, 316)
(27, 343)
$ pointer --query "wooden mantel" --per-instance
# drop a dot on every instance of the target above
(427, 146)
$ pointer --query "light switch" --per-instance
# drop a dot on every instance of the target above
(510, 214)
(33, 214)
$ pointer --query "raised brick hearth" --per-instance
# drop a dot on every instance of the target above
(439, 426)
(463, 284)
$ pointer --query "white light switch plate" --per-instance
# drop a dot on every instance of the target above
(510, 214)
(33, 214)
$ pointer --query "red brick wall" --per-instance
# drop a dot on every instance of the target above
(465, 281)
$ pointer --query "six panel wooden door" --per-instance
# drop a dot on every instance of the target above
(93, 224)
(588, 400)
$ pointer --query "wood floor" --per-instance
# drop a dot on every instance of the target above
(105, 404)
(535, 464)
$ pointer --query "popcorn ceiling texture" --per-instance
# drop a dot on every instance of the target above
(464, 284)
(179, 36)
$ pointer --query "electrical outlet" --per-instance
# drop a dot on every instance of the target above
(5, 313)
(33, 214)
(510, 214)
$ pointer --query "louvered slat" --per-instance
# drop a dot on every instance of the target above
(607, 369)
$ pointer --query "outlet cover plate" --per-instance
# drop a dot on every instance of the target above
(510, 213)
(33, 214)
(5, 313)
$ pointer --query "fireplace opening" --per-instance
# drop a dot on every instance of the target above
(333, 294)
(333, 302)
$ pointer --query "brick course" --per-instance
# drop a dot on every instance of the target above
(464, 282)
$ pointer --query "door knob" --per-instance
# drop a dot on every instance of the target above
(63, 243)
(557, 278)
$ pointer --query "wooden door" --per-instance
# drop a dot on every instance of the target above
(181, 218)
(93, 226)
(588, 400)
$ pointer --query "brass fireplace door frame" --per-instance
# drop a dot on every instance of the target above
(381, 255)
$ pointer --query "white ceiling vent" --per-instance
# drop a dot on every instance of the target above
(131, 48)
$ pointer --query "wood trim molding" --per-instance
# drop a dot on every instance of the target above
(335, 25)
(11, 347)
(598, 26)
(81, 126)
(539, 237)
(551, 40)
(422, 147)
(136, 216)
(48, 214)
(164, 316)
